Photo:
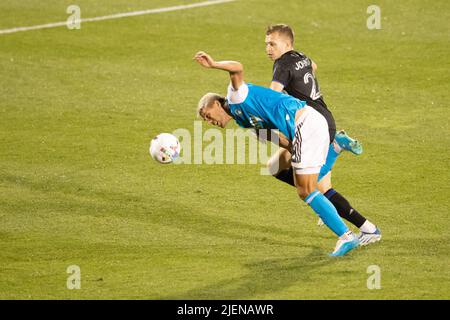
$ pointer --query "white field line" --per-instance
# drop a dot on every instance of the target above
(118, 16)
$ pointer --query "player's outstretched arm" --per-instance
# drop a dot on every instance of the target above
(236, 69)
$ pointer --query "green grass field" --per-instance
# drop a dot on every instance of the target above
(77, 186)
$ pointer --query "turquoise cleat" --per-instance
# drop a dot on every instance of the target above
(344, 246)
(347, 143)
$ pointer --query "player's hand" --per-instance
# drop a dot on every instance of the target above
(204, 59)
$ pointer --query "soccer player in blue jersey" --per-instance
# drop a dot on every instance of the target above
(304, 132)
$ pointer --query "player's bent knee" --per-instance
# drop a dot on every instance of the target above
(302, 193)
(306, 184)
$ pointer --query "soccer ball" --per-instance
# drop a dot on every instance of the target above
(165, 148)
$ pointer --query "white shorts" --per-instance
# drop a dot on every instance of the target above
(311, 142)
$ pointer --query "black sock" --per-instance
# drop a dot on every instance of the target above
(286, 176)
(344, 208)
(341, 204)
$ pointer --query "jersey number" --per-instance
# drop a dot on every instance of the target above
(314, 93)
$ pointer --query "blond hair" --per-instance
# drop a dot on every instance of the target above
(207, 100)
(283, 29)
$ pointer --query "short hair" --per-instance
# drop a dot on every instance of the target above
(283, 29)
(207, 99)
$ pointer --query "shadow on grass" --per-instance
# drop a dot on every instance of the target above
(267, 276)
(61, 196)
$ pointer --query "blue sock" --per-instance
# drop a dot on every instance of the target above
(329, 163)
(327, 212)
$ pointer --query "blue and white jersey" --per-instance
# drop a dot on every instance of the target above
(263, 108)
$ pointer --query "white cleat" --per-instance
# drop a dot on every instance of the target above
(368, 238)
